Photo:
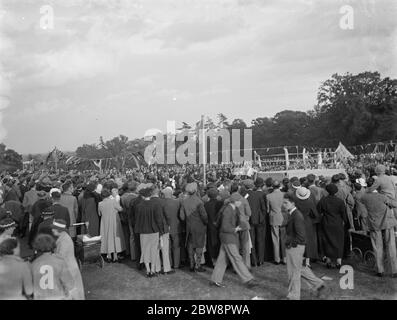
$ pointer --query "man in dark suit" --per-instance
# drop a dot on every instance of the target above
(171, 207)
(256, 199)
(60, 212)
(295, 248)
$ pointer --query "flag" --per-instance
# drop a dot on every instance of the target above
(137, 159)
(98, 163)
(55, 155)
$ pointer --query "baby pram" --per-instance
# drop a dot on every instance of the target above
(87, 249)
(361, 248)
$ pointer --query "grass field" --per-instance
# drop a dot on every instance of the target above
(120, 281)
(124, 281)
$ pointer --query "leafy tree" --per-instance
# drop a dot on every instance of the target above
(357, 109)
(9, 159)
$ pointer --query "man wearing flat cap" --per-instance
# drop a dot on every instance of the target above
(229, 250)
(193, 212)
(384, 184)
(60, 212)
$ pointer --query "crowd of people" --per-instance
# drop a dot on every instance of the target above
(166, 218)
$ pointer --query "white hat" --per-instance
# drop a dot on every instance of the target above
(302, 193)
(98, 188)
(54, 190)
(361, 182)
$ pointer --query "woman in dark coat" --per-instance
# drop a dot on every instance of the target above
(334, 216)
(305, 204)
(89, 209)
(212, 207)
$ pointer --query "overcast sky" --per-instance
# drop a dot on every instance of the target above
(122, 67)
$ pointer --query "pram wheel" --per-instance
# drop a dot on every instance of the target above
(357, 255)
(370, 259)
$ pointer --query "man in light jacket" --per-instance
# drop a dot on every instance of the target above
(274, 209)
(381, 220)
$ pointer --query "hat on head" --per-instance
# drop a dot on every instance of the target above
(191, 187)
(248, 183)
(46, 181)
(302, 193)
(167, 192)
(42, 194)
(276, 184)
(311, 177)
(259, 183)
(91, 186)
(235, 197)
(331, 189)
(105, 193)
(296, 184)
(59, 224)
(54, 190)
(7, 223)
(145, 192)
(361, 182)
(99, 188)
(212, 193)
(380, 169)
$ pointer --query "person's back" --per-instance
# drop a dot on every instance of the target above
(191, 208)
(380, 216)
(15, 276)
(39, 206)
(385, 186)
(171, 211)
(60, 212)
(29, 199)
(70, 202)
(256, 200)
(52, 279)
(275, 201)
(148, 217)
(383, 183)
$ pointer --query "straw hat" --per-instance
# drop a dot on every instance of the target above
(302, 193)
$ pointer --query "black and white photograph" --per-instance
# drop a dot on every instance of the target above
(199, 155)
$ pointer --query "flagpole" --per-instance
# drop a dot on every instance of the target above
(204, 150)
(56, 159)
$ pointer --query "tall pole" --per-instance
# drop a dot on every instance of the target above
(204, 150)
(56, 159)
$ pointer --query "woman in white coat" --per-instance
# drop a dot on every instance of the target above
(65, 249)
